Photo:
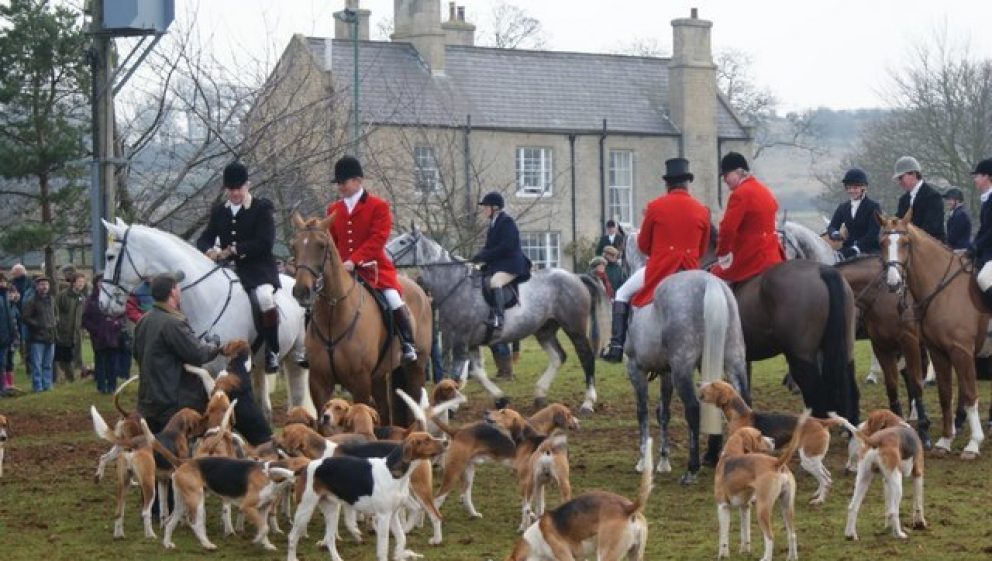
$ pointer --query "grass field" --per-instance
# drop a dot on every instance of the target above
(50, 508)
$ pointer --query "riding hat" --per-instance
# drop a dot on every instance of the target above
(235, 175)
(983, 167)
(347, 168)
(855, 176)
(677, 171)
(905, 165)
(733, 161)
(954, 194)
(492, 199)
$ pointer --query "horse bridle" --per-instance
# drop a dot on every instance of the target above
(903, 268)
(438, 302)
(115, 281)
(318, 274)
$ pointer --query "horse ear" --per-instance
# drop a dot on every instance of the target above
(119, 222)
(326, 223)
(908, 218)
(112, 229)
(298, 222)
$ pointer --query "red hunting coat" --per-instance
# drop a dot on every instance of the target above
(361, 237)
(748, 231)
(674, 235)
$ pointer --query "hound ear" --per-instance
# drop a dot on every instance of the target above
(408, 445)
(298, 222)
(559, 419)
(375, 417)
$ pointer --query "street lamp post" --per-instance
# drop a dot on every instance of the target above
(350, 17)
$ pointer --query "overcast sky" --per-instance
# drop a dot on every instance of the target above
(831, 53)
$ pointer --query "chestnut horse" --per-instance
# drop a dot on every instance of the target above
(892, 332)
(347, 339)
(953, 321)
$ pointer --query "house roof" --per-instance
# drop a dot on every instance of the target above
(510, 88)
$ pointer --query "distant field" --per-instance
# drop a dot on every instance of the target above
(51, 510)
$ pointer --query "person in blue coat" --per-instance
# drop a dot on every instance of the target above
(958, 221)
(502, 255)
(857, 215)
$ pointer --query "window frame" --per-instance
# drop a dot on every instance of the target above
(551, 252)
(422, 184)
(546, 162)
(615, 210)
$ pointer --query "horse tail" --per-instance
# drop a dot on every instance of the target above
(597, 309)
(716, 319)
(833, 344)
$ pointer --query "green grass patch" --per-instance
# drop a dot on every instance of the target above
(51, 509)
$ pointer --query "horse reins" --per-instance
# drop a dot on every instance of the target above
(438, 302)
(920, 307)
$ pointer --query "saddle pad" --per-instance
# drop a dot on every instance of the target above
(511, 301)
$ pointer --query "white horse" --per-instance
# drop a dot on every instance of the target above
(213, 301)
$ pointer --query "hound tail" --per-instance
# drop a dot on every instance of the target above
(850, 428)
(100, 426)
(158, 447)
(793, 445)
(647, 482)
(204, 375)
(117, 396)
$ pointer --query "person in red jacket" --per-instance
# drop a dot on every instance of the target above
(747, 243)
(674, 235)
(360, 230)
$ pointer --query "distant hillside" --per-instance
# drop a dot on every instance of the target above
(793, 173)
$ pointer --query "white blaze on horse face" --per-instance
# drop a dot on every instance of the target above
(893, 278)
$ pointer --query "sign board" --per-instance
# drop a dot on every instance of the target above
(137, 17)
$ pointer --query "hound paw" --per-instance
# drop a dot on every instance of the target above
(434, 541)
(169, 545)
(209, 546)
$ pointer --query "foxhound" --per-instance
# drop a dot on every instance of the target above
(594, 526)
(895, 452)
(743, 477)
(377, 486)
(814, 440)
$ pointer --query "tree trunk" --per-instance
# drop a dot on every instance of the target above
(46, 220)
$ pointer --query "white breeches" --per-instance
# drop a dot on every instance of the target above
(266, 297)
(501, 279)
(632, 286)
(393, 298)
(985, 277)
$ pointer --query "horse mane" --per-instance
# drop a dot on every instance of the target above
(180, 242)
(809, 243)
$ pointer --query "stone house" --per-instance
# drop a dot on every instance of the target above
(571, 139)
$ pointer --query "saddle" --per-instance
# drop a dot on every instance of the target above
(511, 293)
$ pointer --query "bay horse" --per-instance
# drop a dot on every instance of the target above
(692, 322)
(552, 299)
(949, 308)
(892, 334)
(212, 299)
(347, 341)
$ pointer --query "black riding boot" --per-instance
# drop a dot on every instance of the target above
(401, 317)
(270, 334)
(618, 335)
(496, 312)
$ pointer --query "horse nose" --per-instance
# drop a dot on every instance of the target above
(893, 279)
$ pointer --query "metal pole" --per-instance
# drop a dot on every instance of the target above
(356, 132)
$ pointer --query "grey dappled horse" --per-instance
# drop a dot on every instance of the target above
(551, 299)
(692, 321)
(802, 243)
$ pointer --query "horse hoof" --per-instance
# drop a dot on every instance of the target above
(539, 402)
(664, 466)
(941, 452)
(969, 455)
(927, 442)
(688, 478)
(585, 410)
(502, 403)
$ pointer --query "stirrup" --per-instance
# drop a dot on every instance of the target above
(409, 353)
(271, 362)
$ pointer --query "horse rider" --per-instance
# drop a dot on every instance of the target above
(927, 205)
(360, 231)
(673, 236)
(981, 248)
(502, 256)
(747, 242)
(958, 221)
(246, 230)
(856, 214)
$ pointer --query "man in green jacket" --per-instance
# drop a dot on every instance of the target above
(68, 328)
(39, 317)
(163, 342)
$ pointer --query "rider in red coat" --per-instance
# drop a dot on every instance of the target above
(747, 243)
(673, 236)
(360, 230)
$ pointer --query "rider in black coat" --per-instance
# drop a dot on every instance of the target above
(862, 227)
(502, 255)
(928, 205)
(243, 230)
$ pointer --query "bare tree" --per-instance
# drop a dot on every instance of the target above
(943, 107)
(511, 27)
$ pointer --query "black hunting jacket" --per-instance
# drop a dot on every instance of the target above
(253, 233)
(928, 210)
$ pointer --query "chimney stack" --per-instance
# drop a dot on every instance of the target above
(418, 22)
(692, 99)
(457, 31)
(342, 30)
